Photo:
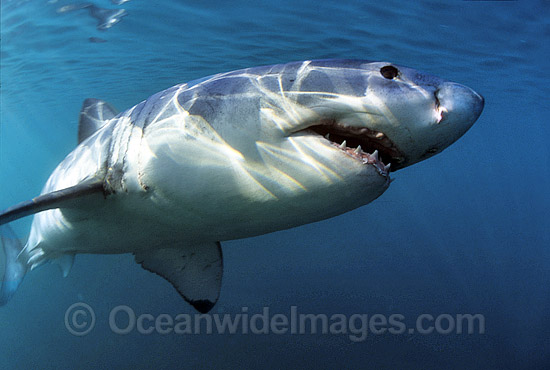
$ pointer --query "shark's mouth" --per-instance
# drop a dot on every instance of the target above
(359, 142)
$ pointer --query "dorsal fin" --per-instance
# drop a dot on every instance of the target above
(56, 199)
(93, 115)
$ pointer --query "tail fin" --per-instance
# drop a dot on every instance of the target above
(14, 268)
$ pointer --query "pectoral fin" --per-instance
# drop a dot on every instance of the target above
(56, 199)
(195, 271)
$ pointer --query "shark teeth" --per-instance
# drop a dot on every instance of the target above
(372, 159)
(375, 155)
(370, 139)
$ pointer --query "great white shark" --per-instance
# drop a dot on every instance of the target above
(231, 156)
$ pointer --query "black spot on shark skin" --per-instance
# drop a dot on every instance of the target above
(202, 305)
(106, 18)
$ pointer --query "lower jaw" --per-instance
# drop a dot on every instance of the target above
(351, 138)
(367, 158)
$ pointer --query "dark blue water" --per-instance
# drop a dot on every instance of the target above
(464, 232)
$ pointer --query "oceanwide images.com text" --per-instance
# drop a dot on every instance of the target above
(80, 320)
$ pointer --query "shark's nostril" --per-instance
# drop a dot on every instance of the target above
(437, 103)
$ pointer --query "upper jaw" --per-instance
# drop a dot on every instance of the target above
(444, 114)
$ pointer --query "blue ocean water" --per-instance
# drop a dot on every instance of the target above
(464, 232)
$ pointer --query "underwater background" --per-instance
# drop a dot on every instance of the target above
(467, 231)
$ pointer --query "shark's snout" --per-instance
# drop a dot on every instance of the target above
(458, 104)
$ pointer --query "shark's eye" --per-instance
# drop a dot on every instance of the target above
(389, 72)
